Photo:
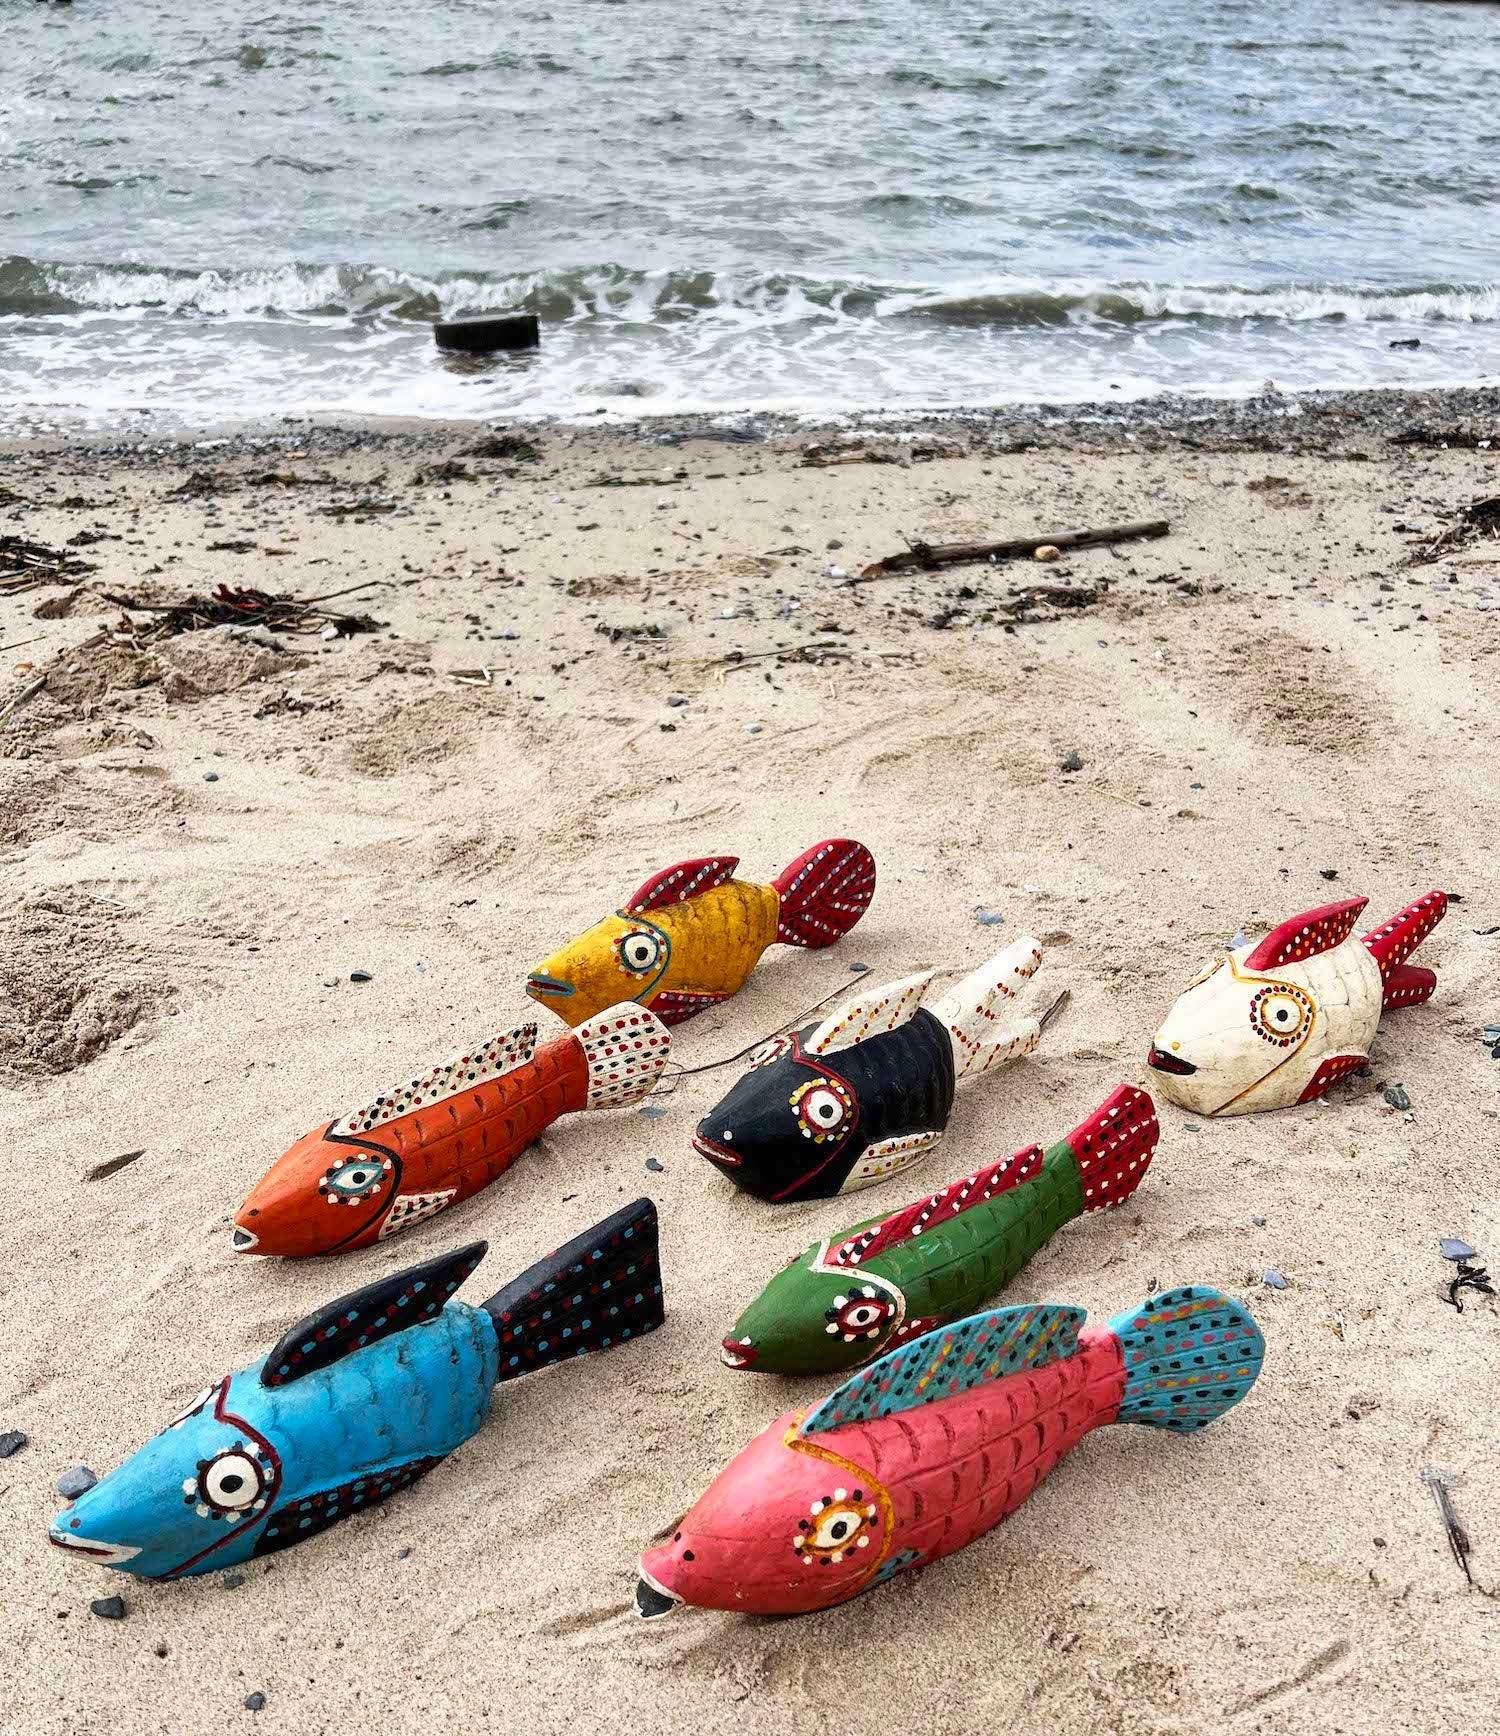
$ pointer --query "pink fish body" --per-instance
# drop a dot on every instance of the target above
(936, 1443)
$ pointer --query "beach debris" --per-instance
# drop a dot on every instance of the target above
(518, 448)
(78, 1481)
(1397, 1096)
(1470, 439)
(655, 1167)
(1469, 1276)
(361, 976)
(450, 470)
(109, 1608)
(357, 508)
(1072, 761)
(482, 333)
(1275, 1280)
(25, 564)
(255, 1702)
(1478, 522)
(924, 556)
(29, 691)
(1442, 1483)
(987, 918)
(473, 677)
(112, 1166)
(11, 1443)
(1047, 552)
(240, 606)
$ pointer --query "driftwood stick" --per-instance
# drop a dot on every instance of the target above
(927, 555)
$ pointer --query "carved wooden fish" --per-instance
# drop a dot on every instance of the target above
(434, 1140)
(356, 1402)
(692, 934)
(864, 1290)
(858, 1098)
(935, 1444)
(1279, 1021)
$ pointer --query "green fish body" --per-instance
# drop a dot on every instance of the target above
(868, 1289)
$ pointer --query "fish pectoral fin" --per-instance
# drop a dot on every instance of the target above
(868, 1014)
(887, 1157)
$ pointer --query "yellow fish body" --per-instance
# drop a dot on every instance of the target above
(692, 934)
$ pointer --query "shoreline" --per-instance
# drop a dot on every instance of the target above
(1317, 421)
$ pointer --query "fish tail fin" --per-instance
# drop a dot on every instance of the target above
(1189, 1355)
(1114, 1146)
(824, 892)
(627, 1049)
(975, 1014)
(601, 1289)
(1394, 942)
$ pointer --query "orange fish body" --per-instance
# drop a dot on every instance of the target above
(692, 934)
(427, 1144)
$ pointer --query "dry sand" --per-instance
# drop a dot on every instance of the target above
(1266, 694)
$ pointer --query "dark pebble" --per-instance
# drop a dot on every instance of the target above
(1452, 1249)
(1329, 873)
(1275, 1280)
(233, 1581)
(401, 1554)
(655, 1167)
(987, 918)
(1260, 1223)
(254, 1702)
(109, 1608)
(1396, 1096)
(78, 1481)
(653, 1112)
(859, 969)
(210, 777)
(11, 1443)
(677, 699)
(1073, 762)
(1405, 344)
(360, 976)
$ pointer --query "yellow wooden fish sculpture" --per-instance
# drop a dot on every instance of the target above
(692, 934)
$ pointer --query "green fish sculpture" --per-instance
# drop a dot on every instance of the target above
(867, 1290)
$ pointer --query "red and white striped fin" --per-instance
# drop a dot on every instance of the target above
(824, 892)
(1305, 936)
(867, 1014)
(1395, 941)
(939, 1208)
(502, 1054)
(1114, 1147)
(681, 881)
(627, 1049)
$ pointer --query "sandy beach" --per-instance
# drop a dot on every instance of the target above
(599, 651)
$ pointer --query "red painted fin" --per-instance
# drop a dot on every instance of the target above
(682, 880)
(938, 1208)
(1329, 1072)
(1395, 941)
(1408, 985)
(824, 892)
(672, 1006)
(1307, 935)
(1114, 1147)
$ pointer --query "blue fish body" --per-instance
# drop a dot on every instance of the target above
(356, 1403)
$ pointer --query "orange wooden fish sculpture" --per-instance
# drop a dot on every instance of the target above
(444, 1135)
(692, 934)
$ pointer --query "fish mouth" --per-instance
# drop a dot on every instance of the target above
(652, 1600)
(738, 1353)
(242, 1241)
(539, 983)
(716, 1153)
(1166, 1063)
(110, 1554)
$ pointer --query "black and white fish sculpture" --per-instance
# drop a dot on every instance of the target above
(844, 1104)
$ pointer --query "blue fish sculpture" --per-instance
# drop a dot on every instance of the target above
(358, 1401)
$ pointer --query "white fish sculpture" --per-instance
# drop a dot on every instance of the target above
(1279, 1021)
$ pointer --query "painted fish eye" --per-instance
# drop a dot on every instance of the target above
(839, 1523)
(822, 1107)
(228, 1484)
(771, 1050)
(639, 951)
(1280, 1014)
(359, 1178)
(863, 1313)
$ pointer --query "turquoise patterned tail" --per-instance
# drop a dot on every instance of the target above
(1189, 1355)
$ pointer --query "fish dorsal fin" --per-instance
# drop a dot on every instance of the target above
(951, 1360)
(866, 1015)
(682, 880)
(502, 1054)
(387, 1306)
(938, 1208)
(1307, 935)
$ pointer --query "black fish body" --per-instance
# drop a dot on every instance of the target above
(844, 1104)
